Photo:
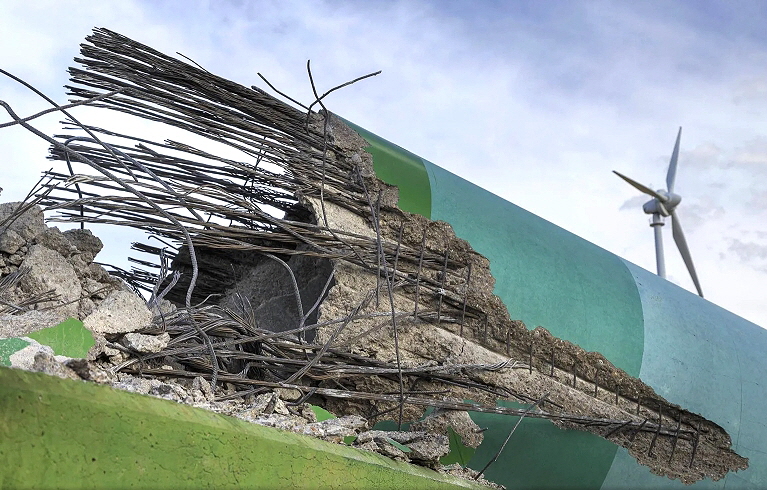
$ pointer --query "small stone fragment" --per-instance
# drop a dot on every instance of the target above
(27, 225)
(50, 271)
(146, 344)
(460, 422)
(336, 429)
(89, 372)
(86, 243)
(121, 311)
(45, 362)
(18, 325)
(10, 242)
(203, 386)
(53, 239)
(289, 394)
(424, 447)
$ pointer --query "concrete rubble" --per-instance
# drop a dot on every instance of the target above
(52, 264)
(63, 262)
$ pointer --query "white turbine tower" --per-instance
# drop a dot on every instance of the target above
(662, 205)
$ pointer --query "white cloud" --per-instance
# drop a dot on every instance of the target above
(537, 103)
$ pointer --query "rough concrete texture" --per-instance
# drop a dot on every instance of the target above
(50, 271)
(443, 332)
(121, 311)
(146, 344)
(43, 268)
(460, 422)
(26, 358)
(425, 447)
(153, 443)
(17, 325)
(26, 225)
(85, 242)
(267, 288)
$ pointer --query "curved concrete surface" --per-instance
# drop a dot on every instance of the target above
(689, 350)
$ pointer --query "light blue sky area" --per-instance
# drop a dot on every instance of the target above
(536, 101)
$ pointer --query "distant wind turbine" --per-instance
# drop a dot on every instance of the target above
(662, 205)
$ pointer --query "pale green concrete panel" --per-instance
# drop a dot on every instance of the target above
(58, 433)
(69, 338)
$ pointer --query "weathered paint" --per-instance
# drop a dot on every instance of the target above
(690, 351)
(58, 433)
(8, 347)
(69, 338)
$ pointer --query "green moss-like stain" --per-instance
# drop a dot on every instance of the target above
(397, 166)
(58, 433)
(459, 453)
(69, 338)
(8, 347)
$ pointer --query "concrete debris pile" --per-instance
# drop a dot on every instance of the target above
(116, 315)
(48, 275)
(345, 299)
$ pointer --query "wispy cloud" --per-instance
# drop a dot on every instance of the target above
(536, 101)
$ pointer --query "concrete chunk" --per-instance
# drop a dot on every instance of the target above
(121, 311)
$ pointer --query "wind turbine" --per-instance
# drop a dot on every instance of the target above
(662, 205)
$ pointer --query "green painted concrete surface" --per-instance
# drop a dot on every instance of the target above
(58, 433)
(8, 347)
(397, 166)
(545, 276)
(69, 338)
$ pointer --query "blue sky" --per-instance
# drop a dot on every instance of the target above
(536, 101)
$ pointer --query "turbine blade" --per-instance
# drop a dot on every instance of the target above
(671, 175)
(681, 244)
(641, 188)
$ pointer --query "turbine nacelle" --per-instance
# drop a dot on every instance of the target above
(665, 206)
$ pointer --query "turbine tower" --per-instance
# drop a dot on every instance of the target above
(662, 205)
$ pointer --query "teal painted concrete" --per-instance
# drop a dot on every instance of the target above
(709, 361)
(689, 350)
(545, 275)
(541, 456)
